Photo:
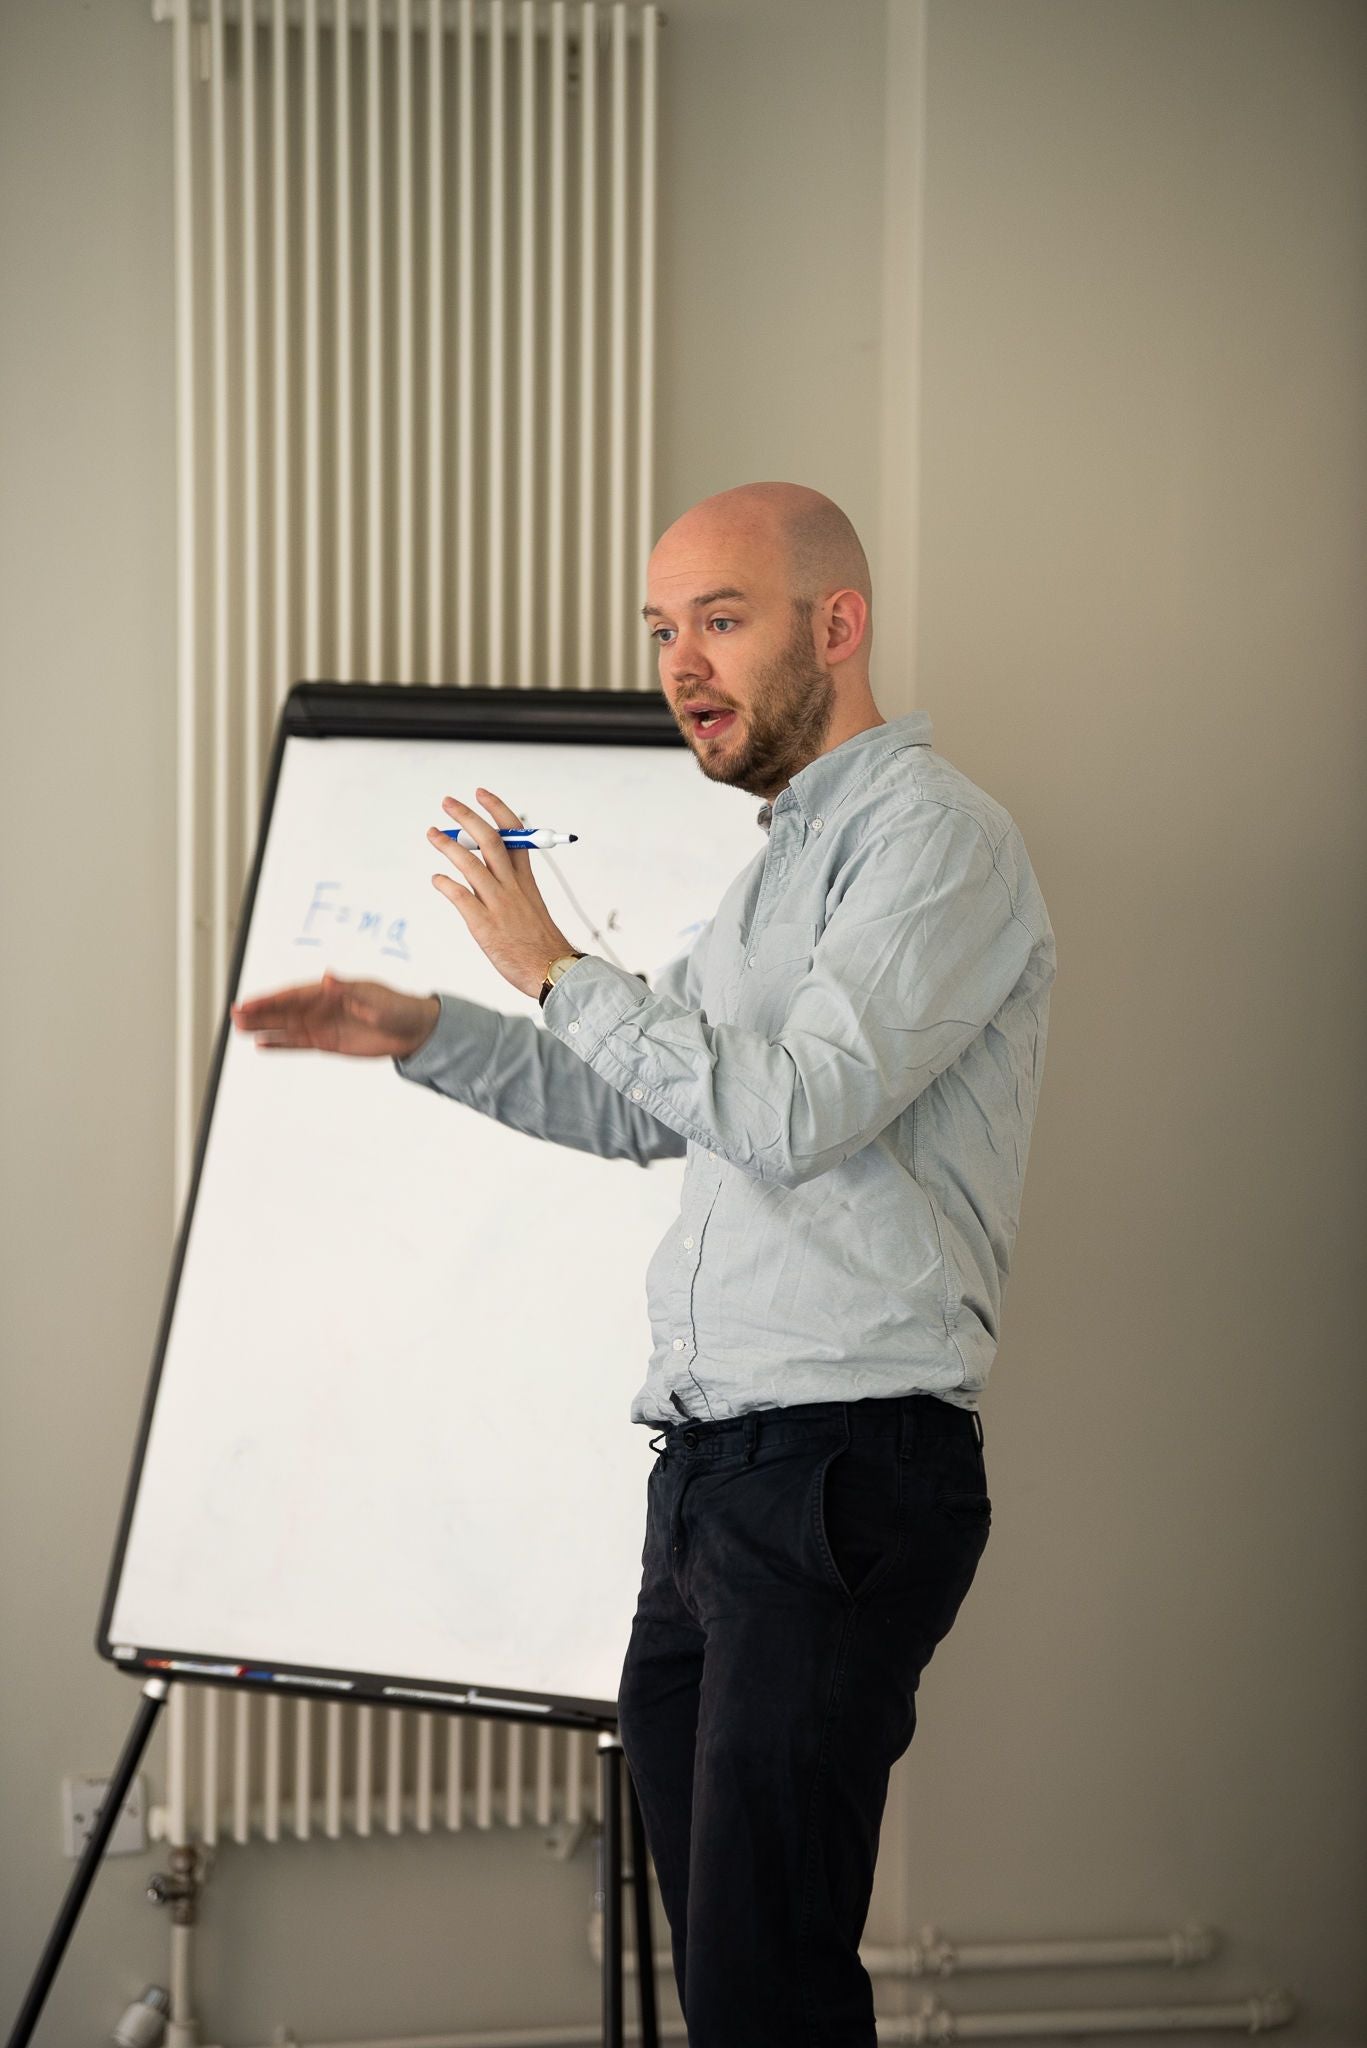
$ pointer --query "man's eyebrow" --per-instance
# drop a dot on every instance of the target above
(652, 611)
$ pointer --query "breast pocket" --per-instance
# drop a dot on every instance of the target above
(782, 944)
(776, 960)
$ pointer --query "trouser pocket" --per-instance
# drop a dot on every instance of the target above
(859, 1512)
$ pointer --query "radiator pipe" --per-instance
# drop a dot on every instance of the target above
(181, 2029)
(932, 2023)
(590, 2035)
(933, 1956)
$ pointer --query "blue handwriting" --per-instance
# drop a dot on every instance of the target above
(325, 917)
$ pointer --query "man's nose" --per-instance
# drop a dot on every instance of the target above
(688, 659)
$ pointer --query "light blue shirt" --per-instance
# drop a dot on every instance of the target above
(849, 1056)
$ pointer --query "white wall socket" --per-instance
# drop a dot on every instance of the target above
(82, 1799)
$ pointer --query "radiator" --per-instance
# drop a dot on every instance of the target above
(242, 1768)
(415, 280)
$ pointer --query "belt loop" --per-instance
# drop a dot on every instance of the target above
(751, 1433)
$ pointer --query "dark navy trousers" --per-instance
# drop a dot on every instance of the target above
(800, 1566)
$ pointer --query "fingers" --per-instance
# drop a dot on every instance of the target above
(484, 872)
(480, 830)
(498, 810)
(290, 1019)
(519, 858)
(493, 858)
(456, 892)
(264, 1013)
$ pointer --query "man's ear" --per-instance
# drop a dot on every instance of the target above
(846, 617)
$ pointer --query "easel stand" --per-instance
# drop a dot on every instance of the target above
(610, 1762)
(153, 1700)
(154, 1695)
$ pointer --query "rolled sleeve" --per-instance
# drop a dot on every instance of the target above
(457, 1055)
(508, 1068)
(919, 953)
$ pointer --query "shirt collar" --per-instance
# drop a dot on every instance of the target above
(818, 789)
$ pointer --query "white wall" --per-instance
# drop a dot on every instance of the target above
(1140, 628)
(1143, 627)
(771, 243)
(86, 753)
(760, 373)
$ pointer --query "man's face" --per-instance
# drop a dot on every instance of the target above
(745, 652)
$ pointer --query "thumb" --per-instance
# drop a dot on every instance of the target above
(353, 1001)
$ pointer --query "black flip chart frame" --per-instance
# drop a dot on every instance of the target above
(323, 710)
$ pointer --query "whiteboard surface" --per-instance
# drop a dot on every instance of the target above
(391, 1431)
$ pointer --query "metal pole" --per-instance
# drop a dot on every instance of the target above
(645, 1950)
(610, 1772)
(153, 1697)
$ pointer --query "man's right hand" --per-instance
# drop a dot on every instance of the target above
(365, 1018)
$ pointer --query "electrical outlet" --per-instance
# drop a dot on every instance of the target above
(82, 1799)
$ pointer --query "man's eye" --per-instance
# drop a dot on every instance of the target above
(656, 631)
(721, 622)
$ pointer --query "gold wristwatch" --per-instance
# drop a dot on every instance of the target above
(558, 966)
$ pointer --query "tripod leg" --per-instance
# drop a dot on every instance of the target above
(153, 1698)
(645, 1946)
(610, 1766)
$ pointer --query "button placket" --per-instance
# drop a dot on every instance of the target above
(687, 1267)
(770, 891)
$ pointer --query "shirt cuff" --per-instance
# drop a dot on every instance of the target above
(459, 1050)
(590, 1000)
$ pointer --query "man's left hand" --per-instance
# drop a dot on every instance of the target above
(502, 905)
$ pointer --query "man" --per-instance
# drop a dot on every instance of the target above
(850, 1057)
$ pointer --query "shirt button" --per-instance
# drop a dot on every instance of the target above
(573, 1028)
(817, 824)
(711, 1155)
(751, 961)
(678, 1343)
(688, 1244)
(637, 1093)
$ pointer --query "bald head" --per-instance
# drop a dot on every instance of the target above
(817, 550)
(758, 601)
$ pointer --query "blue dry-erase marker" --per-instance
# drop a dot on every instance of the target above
(530, 837)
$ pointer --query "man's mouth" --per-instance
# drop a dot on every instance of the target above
(709, 718)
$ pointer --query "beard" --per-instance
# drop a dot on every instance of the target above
(784, 727)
